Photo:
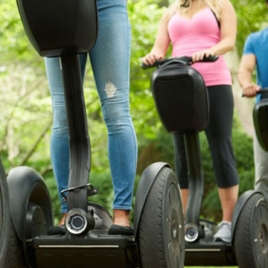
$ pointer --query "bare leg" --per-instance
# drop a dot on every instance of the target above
(121, 217)
(184, 196)
(228, 197)
(62, 220)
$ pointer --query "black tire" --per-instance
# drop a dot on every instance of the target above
(251, 234)
(14, 257)
(33, 205)
(4, 215)
(161, 230)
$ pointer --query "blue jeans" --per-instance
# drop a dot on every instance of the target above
(110, 61)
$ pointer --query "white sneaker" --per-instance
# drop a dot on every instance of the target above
(224, 232)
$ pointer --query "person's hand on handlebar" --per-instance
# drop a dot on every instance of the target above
(200, 55)
(250, 90)
(151, 57)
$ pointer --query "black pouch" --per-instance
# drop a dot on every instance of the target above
(260, 120)
(181, 97)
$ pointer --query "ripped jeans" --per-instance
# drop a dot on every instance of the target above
(110, 64)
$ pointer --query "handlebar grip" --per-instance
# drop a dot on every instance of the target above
(183, 59)
(145, 66)
(261, 91)
(210, 59)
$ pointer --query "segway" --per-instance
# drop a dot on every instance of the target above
(181, 99)
(251, 212)
(65, 28)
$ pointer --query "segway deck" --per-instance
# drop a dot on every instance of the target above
(97, 250)
(209, 254)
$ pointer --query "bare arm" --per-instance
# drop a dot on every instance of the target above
(228, 24)
(228, 30)
(246, 68)
(161, 43)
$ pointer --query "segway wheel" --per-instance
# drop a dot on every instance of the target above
(251, 234)
(30, 215)
(14, 257)
(4, 215)
(161, 231)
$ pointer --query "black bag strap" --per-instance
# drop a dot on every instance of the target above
(218, 22)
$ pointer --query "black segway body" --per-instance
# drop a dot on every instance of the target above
(251, 212)
(260, 120)
(181, 100)
(182, 103)
(57, 28)
(60, 27)
(181, 97)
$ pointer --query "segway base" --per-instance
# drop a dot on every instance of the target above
(209, 254)
(96, 249)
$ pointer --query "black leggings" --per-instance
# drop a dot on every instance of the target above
(219, 136)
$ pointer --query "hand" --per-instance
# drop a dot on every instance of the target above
(200, 55)
(150, 58)
(250, 90)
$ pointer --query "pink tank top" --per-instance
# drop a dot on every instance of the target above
(191, 35)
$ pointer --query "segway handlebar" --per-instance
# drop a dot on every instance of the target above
(261, 91)
(184, 60)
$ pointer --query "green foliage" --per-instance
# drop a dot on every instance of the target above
(14, 43)
(25, 116)
(252, 15)
(144, 17)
